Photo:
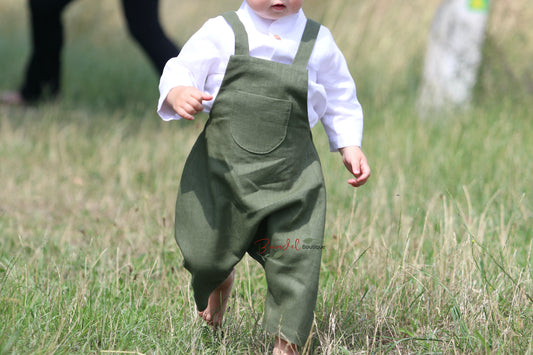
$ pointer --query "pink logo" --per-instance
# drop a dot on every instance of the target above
(265, 245)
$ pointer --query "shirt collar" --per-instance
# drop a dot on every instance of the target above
(283, 25)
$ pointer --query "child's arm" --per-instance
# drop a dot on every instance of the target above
(201, 64)
(355, 161)
(187, 100)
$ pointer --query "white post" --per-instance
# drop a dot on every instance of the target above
(453, 56)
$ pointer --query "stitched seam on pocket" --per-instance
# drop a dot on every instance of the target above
(251, 132)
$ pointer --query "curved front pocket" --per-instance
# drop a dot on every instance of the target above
(259, 123)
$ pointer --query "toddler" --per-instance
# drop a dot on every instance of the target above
(253, 181)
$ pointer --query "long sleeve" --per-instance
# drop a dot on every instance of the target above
(335, 97)
(201, 64)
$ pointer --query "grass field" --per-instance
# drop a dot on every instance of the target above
(432, 255)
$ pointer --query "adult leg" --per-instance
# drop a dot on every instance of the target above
(142, 17)
(43, 69)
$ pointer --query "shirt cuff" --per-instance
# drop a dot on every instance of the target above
(164, 110)
(344, 133)
(341, 142)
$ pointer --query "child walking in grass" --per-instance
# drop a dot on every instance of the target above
(266, 75)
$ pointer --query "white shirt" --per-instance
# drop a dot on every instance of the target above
(331, 95)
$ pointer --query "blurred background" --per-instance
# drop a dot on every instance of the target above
(384, 42)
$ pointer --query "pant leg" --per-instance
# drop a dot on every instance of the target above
(142, 17)
(292, 271)
(44, 66)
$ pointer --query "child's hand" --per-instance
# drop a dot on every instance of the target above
(187, 101)
(355, 162)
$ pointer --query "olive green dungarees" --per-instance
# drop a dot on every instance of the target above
(253, 183)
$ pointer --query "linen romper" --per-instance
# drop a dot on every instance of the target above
(253, 183)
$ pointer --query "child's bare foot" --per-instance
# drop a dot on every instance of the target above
(218, 300)
(282, 347)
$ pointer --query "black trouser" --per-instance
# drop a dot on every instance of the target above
(44, 66)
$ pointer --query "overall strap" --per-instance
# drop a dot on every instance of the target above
(307, 43)
(241, 37)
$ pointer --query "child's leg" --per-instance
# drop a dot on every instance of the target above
(292, 268)
(218, 300)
